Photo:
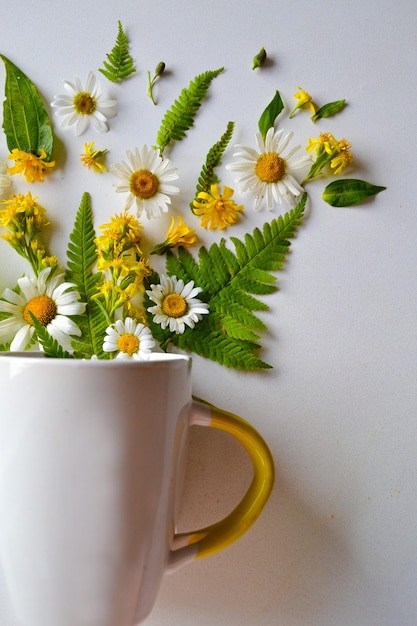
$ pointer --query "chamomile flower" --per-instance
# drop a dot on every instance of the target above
(50, 300)
(176, 305)
(146, 179)
(131, 340)
(269, 171)
(84, 104)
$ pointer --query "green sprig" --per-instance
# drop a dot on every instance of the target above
(82, 257)
(159, 70)
(180, 117)
(208, 177)
(119, 64)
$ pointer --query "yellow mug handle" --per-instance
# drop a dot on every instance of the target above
(216, 537)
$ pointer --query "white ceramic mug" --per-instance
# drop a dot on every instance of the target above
(91, 463)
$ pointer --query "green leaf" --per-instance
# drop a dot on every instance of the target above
(82, 257)
(119, 64)
(180, 117)
(349, 191)
(268, 117)
(329, 109)
(25, 120)
(319, 164)
(231, 283)
(208, 176)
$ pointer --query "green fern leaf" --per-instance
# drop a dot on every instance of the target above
(208, 176)
(120, 64)
(50, 346)
(180, 117)
(82, 257)
(231, 283)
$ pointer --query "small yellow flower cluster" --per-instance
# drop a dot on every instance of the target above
(31, 166)
(339, 153)
(24, 218)
(124, 268)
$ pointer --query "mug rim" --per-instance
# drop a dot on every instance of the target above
(153, 358)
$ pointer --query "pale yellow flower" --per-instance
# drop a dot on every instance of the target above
(31, 166)
(217, 210)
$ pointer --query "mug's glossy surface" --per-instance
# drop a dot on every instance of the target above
(91, 463)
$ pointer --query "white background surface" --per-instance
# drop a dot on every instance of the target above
(337, 543)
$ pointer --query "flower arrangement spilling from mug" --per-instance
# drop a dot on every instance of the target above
(109, 301)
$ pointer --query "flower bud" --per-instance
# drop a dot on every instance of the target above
(259, 59)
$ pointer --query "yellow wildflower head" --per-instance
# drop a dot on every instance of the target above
(123, 228)
(303, 99)
(93, 159)
(179, 235)
(182, 234)
(325, 142)
(343, 156)
(31, 166)
(22, 212)
(217, 210)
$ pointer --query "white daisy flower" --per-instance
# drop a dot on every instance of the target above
(269, 171)
(50, 299)
(146, 179)
(175, 304)
(83, 105)
(129, 339)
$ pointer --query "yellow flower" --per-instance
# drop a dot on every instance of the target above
(123, 228)
(32, 167)
(92, 158)
(342, 158)
(217, 210)
(180, 235)
(23, 213)
(324, 143)
(304, 99)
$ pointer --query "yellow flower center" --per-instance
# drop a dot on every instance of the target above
(42, 307)
(128, 343)
(174, 305)
(270, 168)
(144, 184)
(84, 103)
